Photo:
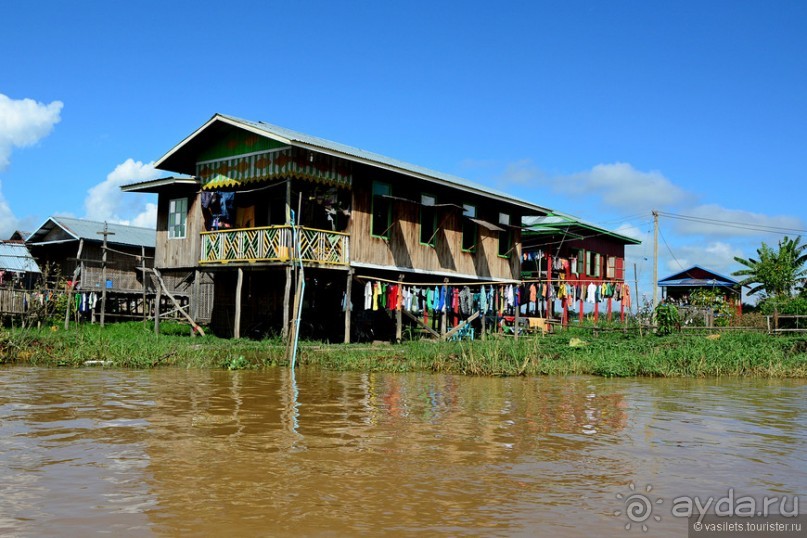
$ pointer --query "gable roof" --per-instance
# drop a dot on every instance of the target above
(560, 223)
(14, 256)
(65, 229)
(182, 157)
(697, 276)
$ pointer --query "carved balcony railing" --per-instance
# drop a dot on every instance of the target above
(275, 244)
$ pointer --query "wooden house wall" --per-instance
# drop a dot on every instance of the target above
(404, 250)
(122, 269)
(173, 253)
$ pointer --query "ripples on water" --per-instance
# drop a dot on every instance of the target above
(192, 453)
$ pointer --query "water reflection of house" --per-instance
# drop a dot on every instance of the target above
(585, 261)
(678, 287)
(225, 226)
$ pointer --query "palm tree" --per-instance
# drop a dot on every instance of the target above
(775, 273)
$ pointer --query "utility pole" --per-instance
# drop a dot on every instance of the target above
(105, 233)
(655, 259)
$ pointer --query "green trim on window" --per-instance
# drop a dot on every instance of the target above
(428, 210)
(470, 229)
(381, 210)
(177, 218)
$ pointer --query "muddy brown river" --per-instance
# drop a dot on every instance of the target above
(171, 452)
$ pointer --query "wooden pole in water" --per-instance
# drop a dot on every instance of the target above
(239, 283)
(286, 298)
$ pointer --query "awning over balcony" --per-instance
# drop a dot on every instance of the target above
(233, 172)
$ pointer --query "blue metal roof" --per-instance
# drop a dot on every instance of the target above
(56, 229)
(15, 257)
(715, 279)
(295, 138)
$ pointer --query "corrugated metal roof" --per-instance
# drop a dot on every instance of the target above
(15, 257)
(557, 222)
(299, 139)
(696, 273)
(89, 230)
(696, 283)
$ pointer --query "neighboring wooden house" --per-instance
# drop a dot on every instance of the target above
(74, 250)
(19, 274)
(578, 262)
(362, 217)
(678, 287)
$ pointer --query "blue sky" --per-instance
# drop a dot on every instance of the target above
(605, 110)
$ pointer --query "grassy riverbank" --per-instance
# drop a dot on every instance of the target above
(571, 352)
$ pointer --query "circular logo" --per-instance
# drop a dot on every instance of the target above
(638, 507)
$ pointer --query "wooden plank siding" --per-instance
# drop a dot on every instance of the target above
(175, 252)
(403, 250)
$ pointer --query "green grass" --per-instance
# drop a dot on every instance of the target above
(571, 352)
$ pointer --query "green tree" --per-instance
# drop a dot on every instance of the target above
(776, 273)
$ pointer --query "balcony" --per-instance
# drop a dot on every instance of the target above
(274, 244)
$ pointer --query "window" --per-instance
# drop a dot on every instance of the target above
(593, 264)
(428, 220)
(381, 210)
(610, 268)
(505, 236)
(468, 228)
(177, 217)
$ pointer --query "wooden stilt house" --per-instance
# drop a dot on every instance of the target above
(576, 266)
(99, 260)
(225, 223)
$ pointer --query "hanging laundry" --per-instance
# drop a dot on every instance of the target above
(368, 295)
(591, 292)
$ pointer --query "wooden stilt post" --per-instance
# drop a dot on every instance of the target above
(197, 277)
(348, 301)
(157, 301)
(609, 309)
(237, 321)
(105, 233)
(398, 315)
(284, 333)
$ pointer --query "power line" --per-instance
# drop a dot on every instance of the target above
(731, 224)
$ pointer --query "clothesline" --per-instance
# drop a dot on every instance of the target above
(578, 280)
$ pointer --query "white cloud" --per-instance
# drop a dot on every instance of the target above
(621, 186)
(8, 222)
(147, 218)
(106, 202)
(23, 122)
(717, 256)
